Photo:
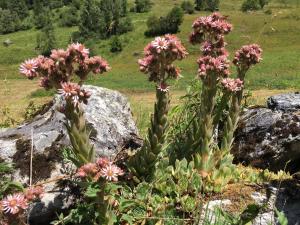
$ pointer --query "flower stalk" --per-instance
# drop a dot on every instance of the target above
(157, 63)
(57, 71)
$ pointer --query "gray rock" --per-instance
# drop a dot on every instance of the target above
(108, 115)
(268, 139)
(285, 199)
(284, 102)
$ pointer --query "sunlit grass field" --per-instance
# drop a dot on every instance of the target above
(277, 33)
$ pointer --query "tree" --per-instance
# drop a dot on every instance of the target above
(40, 12)
(90, 19)
(19, 7)
(46, 40)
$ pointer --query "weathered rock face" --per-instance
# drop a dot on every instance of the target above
(113, 129)
(285, 102)
(268, 138)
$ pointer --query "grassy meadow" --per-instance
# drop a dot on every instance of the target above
(278, 34)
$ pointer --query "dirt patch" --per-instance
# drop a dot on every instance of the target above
(43, 163)
(240, 196)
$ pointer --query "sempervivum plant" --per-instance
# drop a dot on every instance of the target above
(14, 206)
(58, 71)
(158, 64)
(199, 139)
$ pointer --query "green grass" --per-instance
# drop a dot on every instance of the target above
(278, 34)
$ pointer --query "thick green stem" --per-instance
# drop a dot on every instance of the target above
(233, 117)
(142, 164)
(208, 102)
(102, 205)
(78, 134)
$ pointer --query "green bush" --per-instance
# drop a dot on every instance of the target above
(250, 5)
(164, 25)
(142, 6)
(187, 7)
(69, 17)
(9, 21)
(116, 44)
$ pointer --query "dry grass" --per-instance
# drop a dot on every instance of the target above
(16, 95)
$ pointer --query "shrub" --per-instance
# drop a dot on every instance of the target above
(125, 25)
(116, 44)
(142, 6)
(164, 25)
(69, 17)
(249, 5)
(46, 40)
(209, 5)
(187, 7)
(212, 5)
(9, 21)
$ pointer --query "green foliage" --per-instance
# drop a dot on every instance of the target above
(187, 7)
(208, 5)
(282, 220)
(7, 186)
(164, 25)
(116, 44)
(104, 19)
(19, 8)
(46, 40)
(41, 13)
(142, 6)
(250, 5)
(6, 120)
(9, 21)
(69, 16)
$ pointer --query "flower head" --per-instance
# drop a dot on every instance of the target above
(13, 204)
(213, 26)
(248, 55)
(160, 44)
(219, 65)
(34, 193)
(29, 67)
(111, 172)
(160, 54)
(163, 87)
(232, 85)
(89, 169)
(79, 49)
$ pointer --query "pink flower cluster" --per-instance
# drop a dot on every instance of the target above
(248, 55)
(159, 56)
(17, 203)
(232, 85)
(62, 64)
(211, 27)
(219, 65)
(102, 168)
(74, 93)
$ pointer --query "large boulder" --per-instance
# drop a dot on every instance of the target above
(269, 138)
(110, 119)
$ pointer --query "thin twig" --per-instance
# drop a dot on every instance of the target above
(31, 158)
